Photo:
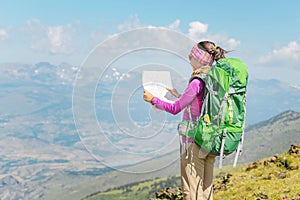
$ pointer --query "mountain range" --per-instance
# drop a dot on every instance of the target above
(42, 152)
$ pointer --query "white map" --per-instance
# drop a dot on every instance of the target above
(156, 83)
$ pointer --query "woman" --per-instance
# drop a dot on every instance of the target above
(196, 165)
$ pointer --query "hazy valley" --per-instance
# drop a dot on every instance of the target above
(43, 156)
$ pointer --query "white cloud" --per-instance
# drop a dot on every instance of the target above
(98, 36)
(232, 43)
(59, 39)
(281, 63)
(131, 23)
(174, 25)
(3, 34)
(289, 53)
(51, 39)
(224, 41)
(197, 30)
(34, 26)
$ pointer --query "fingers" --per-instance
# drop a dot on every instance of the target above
(146, 92)
(170, 89)
(147, 96)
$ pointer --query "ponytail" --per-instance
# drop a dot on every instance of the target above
(219, 53)
(216, 51)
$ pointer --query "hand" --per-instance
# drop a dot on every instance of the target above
(173, 92)
(148, 96)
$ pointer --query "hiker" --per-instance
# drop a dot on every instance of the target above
(196, 165)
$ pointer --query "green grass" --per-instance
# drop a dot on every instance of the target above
(270, 178)
(140, 190)
(276, 177)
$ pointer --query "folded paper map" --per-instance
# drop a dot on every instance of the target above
(156, 83)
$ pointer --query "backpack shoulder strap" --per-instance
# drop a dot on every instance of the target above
(200, 76)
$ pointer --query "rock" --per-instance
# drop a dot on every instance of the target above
(294, 149)
(274, 159)
(267, 177)
(251, 166)
(169, 193)
(280, 175)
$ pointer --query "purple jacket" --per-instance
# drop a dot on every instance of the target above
(192, 95)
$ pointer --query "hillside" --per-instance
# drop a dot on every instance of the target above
(284, 131)
(43, 153)
(269, 137)
(276, 177)
(272, 136)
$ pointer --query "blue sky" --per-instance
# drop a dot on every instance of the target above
(265, 34)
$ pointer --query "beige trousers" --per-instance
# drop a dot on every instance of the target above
(196, 173)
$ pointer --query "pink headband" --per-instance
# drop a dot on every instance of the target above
(202, 56)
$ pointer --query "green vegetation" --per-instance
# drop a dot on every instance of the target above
(276, 177)
(270, 137)
(140, 190)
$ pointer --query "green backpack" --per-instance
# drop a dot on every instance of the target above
(221, 125)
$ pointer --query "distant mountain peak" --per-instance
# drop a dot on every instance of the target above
(287, 115)
(44, 64)
(8, 180)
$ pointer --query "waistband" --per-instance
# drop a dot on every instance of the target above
(189, 140)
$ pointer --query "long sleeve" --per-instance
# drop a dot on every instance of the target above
(192, 95)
